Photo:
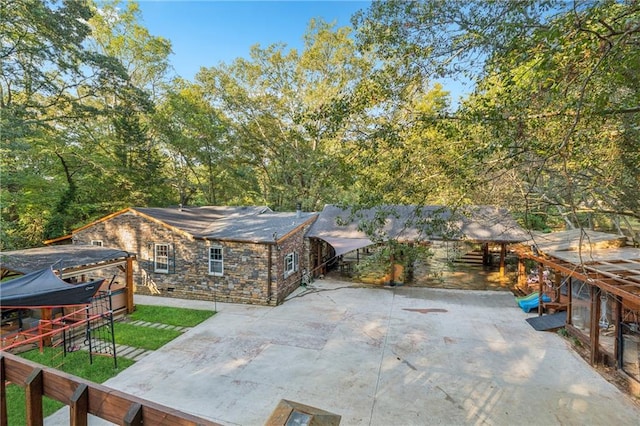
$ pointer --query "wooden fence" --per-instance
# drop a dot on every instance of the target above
(83, 398)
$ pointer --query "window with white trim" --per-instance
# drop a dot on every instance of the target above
(96, 243)
(216, 261)
(290, 264)
(161, 258)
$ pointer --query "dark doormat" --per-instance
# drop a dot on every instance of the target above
(548, 322)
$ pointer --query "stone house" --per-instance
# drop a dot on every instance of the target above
(229, 254)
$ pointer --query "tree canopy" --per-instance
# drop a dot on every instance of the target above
(92, 119)
(555, 111)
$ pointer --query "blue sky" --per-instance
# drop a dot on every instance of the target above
(205, 33)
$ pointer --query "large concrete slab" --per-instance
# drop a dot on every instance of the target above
(376, 356)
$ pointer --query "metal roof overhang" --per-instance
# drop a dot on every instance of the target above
(346, 245)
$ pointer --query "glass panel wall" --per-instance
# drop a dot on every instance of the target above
(630, 340)
(581, 306)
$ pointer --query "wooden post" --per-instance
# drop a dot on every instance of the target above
(133, 416)
(540, 288)
(79, 406)
(33, 395)
(570, 301)
(557, 282)
(503, 256)
(129, 284)
(3, 395)
(485, 254)
(45, 327)
(618, 341)
(594, 335)
(522, 273)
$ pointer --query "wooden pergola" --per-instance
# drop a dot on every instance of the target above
(604, 263)
(70, 261)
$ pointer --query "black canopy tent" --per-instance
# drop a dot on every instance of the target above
(70, 261)
(44, 288)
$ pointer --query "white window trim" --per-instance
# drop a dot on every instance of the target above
(293, 260)
(96, 243)
(156, 257)
(212, 261)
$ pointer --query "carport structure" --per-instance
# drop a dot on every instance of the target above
(72, 263)
(599, 278)
(338, 231)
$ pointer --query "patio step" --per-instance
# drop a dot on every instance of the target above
(472, 257)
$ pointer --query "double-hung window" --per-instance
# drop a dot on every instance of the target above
(290, 264)
(161, 258)
(216, 261)
(96, 243)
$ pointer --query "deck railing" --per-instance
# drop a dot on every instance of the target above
(83, 398)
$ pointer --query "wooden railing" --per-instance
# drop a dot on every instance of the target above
(83, 398)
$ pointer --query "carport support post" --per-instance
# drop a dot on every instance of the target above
(485, 254)
(503, 256)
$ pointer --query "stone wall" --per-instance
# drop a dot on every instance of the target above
(249, 275)
(292, 243)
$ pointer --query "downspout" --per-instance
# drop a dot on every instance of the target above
(269, 264)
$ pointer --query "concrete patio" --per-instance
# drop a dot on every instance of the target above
(375, 356)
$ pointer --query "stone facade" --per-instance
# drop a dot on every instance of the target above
(252, 272)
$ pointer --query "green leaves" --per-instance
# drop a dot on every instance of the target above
(557, 91)
(288, 113)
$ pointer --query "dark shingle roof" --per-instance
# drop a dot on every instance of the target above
(262, 228)
(257, 224)
(490, 224)
(412, 223)
(194, 220)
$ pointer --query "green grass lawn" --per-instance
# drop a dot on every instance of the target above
(172, 316)
(142, 337)
(77, 363)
